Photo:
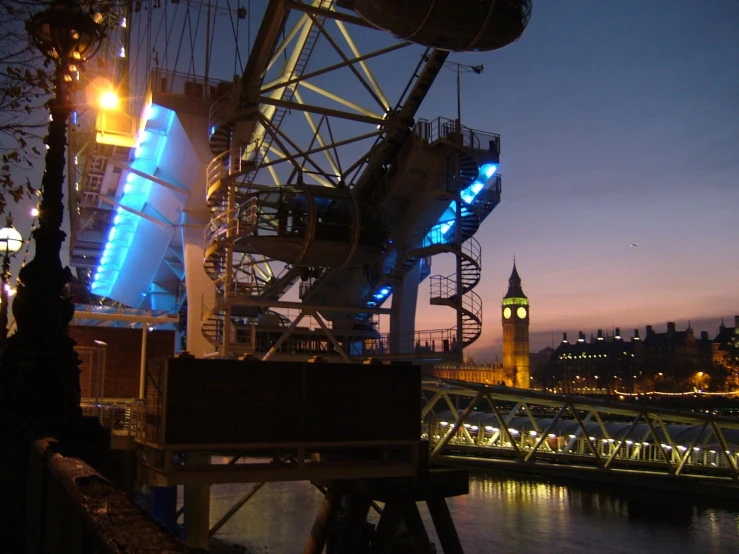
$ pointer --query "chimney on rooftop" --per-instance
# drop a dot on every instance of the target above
(670, 326)
(650, 330)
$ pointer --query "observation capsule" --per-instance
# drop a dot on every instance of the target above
(311, 225)
(459, 25)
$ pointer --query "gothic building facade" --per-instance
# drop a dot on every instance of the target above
(514, 371)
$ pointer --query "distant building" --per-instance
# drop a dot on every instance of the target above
(669, 361)
(540, 368)
(600, 366)
(725, 355)
(675, 360)
(488, 373)
(515, 315)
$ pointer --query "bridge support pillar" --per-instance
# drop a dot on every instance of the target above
(197, 506)
(444, 525)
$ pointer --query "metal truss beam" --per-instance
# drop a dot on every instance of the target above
(648, 442)
(114, 202)
(455, 427)
(297, 106)
(372, 87)
(156, 180)
(333, 14)
(269, 87)
(125, 318)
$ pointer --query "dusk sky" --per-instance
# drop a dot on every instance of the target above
(620, 125)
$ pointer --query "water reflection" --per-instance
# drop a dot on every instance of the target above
(531, 516)
(507, 515)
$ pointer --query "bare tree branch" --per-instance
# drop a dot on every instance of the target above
(24, 90)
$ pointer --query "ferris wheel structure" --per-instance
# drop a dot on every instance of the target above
(287, 203)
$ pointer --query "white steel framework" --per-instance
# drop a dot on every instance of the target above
(536, 430)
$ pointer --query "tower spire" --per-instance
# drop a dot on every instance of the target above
(514, 284)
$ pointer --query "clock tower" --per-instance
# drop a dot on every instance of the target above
(515, 313)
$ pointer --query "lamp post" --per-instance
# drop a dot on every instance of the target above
(40, 373)
(462, 68)
(12, 241)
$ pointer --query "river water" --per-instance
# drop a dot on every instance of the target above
(504, 515)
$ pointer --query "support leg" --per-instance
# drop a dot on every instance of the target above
(324, 518)
(235, 508)
(444, 525)
(387, 529)
(414, 523)
(355, 519)
(197, 506)
(164, 506)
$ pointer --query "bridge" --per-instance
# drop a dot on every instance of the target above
(575, 437)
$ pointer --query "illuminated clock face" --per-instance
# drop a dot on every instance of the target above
(507, 313)
(521, 312)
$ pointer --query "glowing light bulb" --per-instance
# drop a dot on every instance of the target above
(108, 100)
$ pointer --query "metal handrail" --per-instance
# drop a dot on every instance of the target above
(471, 247)
(444, 128)
(219, 226)
(228, 164)
(121, 416)
(170, 81)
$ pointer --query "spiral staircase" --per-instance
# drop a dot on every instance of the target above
(443, 289)
(230, 186)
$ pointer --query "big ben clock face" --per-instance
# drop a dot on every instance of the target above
(521, 312)
(507, 313)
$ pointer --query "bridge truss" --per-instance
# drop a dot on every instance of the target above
(540, 432)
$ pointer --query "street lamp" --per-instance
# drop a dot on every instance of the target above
(462, 68)
(12, 242)
(40, 373)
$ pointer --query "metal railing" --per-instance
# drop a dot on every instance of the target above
(121, 416)
(237, 220)
(434, 342)
(228, 164)
(187, 84)
(443, 128)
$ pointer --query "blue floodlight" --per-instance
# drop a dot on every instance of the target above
(488, 170)
(136, 191)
